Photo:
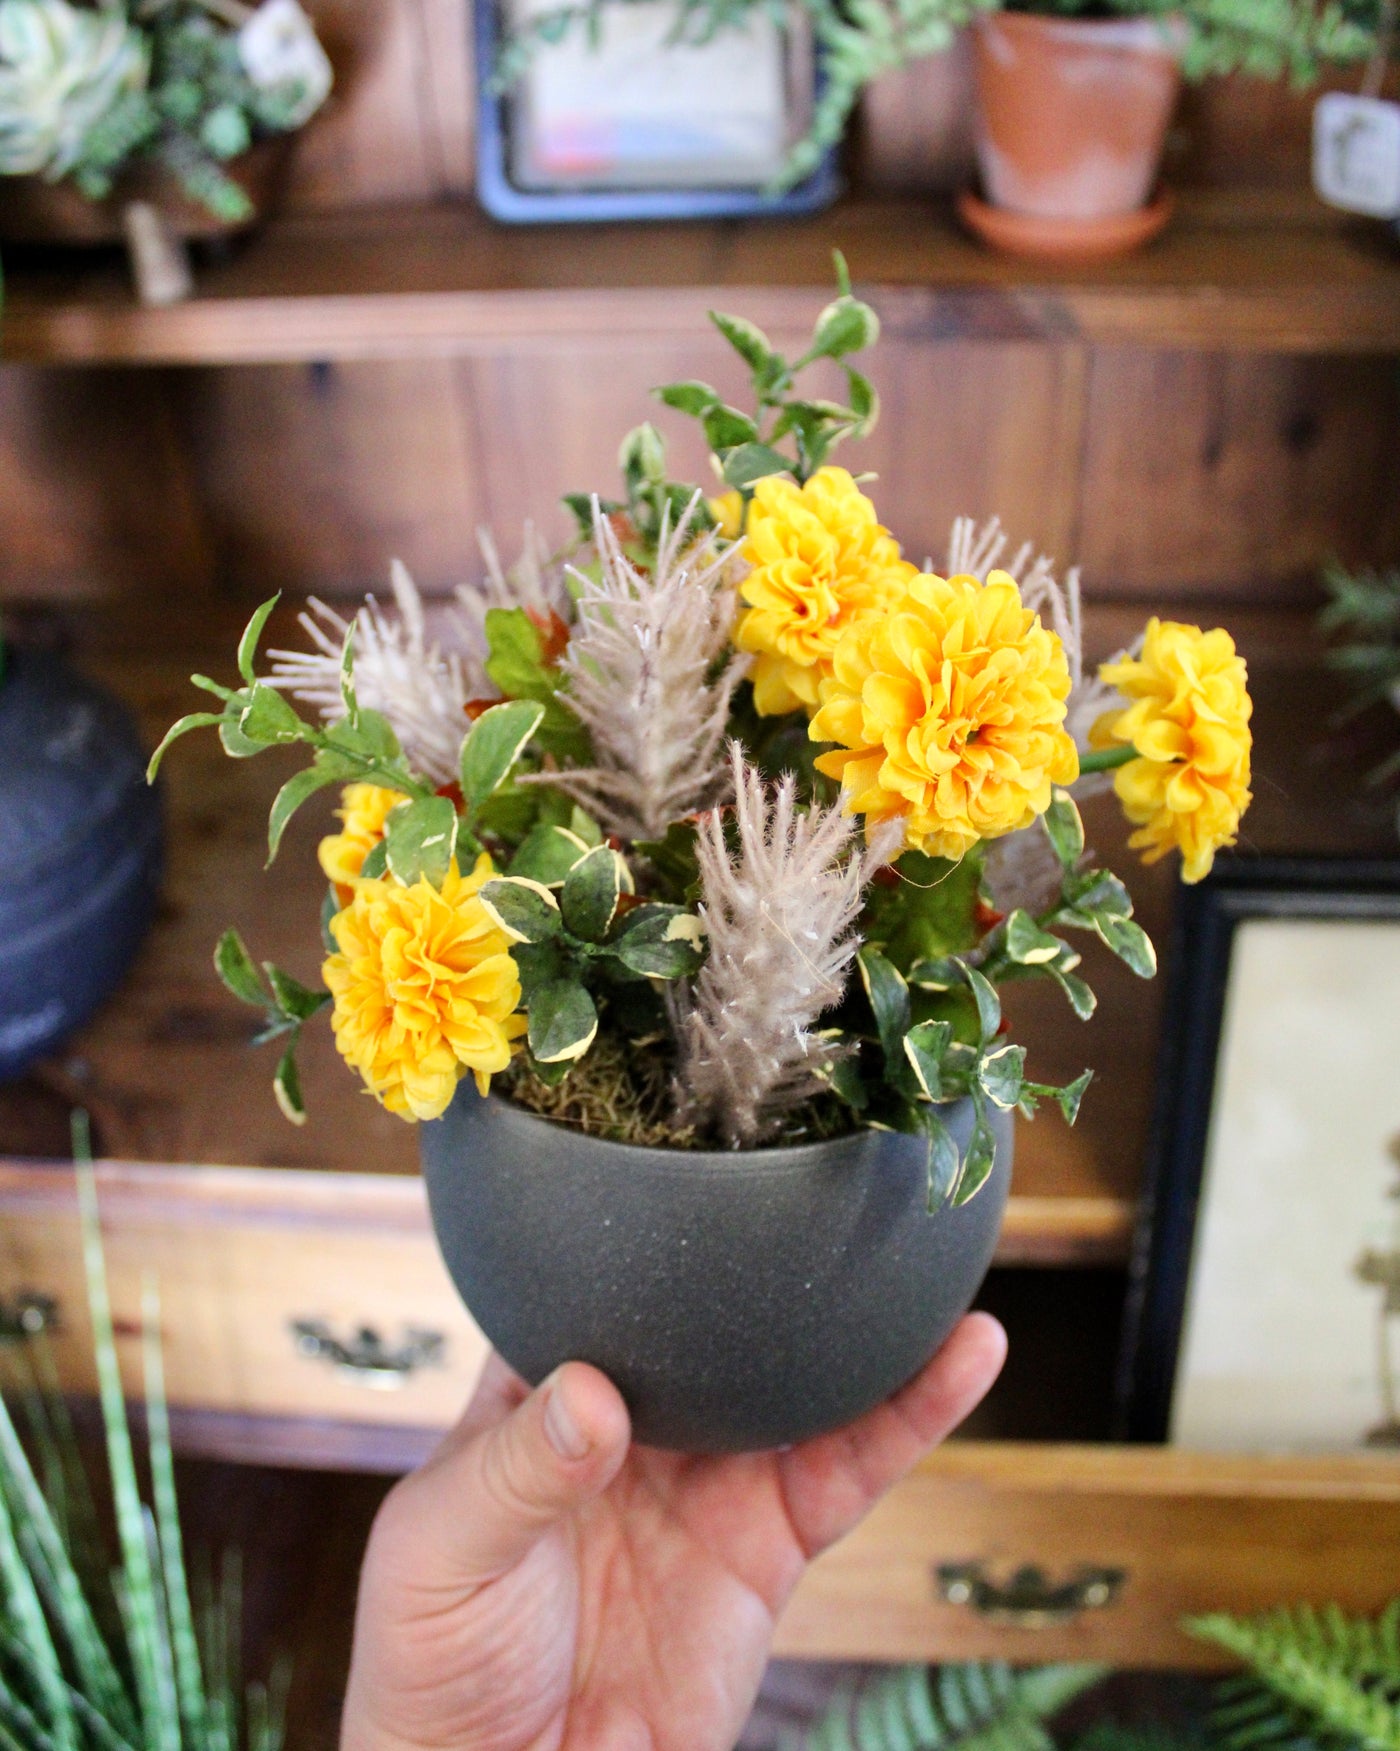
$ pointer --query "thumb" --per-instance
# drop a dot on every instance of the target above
(480, 1505)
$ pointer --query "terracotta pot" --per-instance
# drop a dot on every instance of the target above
(1072, 112)
(740, 1300)
(39, 212)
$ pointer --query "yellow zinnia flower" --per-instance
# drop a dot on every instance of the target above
(728, 512)
(1188, 719)
(362, 812)
(949, 712)
(821, 562)
(425, 989)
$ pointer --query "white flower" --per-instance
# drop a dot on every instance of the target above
(62, 68)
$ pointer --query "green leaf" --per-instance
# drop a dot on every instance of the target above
(1081, 997)
(943, 974)
(748, 340)
(943, 1158)
(845, 326)
(376, 864)
(690, 397)
(371, 737)
(1027, 944)
(865, 403)
(582, 823)
(1064, 829)
(889, 999)
(236, 745)
(286, 1086)
(194, 720)
(420, 840)
(1000, 1075)
(1071, 1095)
(842, 1076)
(751, 462)
(248, 644)
(268, 719)
(661, 942)
(642, 457)
(516, 663)
(348, 697)
(547, 854)
(591, 892)
(293, 794)
(1095, 891)
(295, 1000)
(330, 908)
(234, 965)
(673, 858)
(563, 1022)
(988, 1003)
(493, 745)
(526, 911)
(924, 1047)
(726, 428)
(1130, 942)
(977, 1163)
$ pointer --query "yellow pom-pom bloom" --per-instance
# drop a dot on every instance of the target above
(821, 562)
(1188, 718)
(949, 712)
(425, 989)
(728, 513)
(362, 813)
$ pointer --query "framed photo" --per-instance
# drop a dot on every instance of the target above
(631, 125)
(1265, 1312)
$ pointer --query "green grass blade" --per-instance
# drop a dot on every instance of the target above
(168, 1723)
(20, 1721)
(189, 1674)
(24, 1609)
(137, 1596)
(53, 1568)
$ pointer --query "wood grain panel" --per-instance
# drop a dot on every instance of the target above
(1192, 1532)
(1230, 476)
(96, 498)
(237, 1259)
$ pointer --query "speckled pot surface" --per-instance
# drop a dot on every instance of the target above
(740, 1301)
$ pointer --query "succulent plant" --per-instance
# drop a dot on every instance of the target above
(63, 69)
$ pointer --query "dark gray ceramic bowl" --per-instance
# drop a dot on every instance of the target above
(740, 1301)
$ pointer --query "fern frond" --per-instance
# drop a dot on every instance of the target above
(977, 1706)
(1337, 1676)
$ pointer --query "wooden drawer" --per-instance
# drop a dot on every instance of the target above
(270, 1284)
(1185, 1532)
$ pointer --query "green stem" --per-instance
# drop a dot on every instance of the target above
(1105, 759)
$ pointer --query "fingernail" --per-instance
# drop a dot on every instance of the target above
(563, 1433)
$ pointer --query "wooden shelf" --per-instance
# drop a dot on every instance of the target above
(1265, 273)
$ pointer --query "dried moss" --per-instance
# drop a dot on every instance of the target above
(621, 1091)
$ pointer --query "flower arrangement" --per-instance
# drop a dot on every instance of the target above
(87, 90)
(725, 827)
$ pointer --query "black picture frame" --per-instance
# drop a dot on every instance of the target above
(506, 201)
(1239, 889)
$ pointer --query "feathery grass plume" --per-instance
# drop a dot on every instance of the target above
(650, 673)
(93, 1659)
(420, 667)
(780, 916)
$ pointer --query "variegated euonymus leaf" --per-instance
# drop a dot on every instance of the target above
(563, 1022)
(525, 910)
(1064, 829)
(547, 854)
(661, 942)
(591, 891)
(420, 840)
(493, 745)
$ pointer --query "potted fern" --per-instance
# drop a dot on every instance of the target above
(686, 956)
(184, 105)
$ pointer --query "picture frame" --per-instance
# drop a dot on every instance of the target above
(1264, 1301)
(505, 198)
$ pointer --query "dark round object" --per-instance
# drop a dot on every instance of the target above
(739, 1300)
(80, 852)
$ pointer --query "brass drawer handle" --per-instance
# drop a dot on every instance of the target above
(26, 1316)
(365, 1357)
(1027, 1598)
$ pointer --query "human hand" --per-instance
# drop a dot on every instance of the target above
(542, 1585)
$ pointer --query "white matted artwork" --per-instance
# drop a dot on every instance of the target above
(1291, 1335)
